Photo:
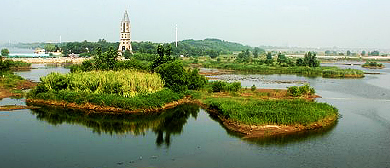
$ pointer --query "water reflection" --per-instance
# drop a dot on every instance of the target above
(281, 140)
(168, 123)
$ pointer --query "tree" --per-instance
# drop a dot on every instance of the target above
(106, 60)
(281, 58)
(363, 53)
(348, 53)
(256, 52)
(5, 52)
(50, 47)
(212, 53)
(374, 53)
(328, 52)
(310, 60)
(127, 54)
(243, 56)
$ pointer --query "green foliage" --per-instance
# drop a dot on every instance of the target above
(4, 52)
(222, 86)
(279, 112)
(310, 60)
(195, 48)
(212, 53)
(126, 83)
(258, 51)
(10, 64)
(178, 79)
(127, 54)
(253, 88)
(174, 75)
(194, 80)
(373, 53)
(244, 56)
(86, 47)
(372, 64)
(281, 58)
(141, 101)
(327, 72)
(106, 60)
(50, 47)
(9, 80)
(297, 91)
(162, 59)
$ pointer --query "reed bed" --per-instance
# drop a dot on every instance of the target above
(127, 83)
(278, 112)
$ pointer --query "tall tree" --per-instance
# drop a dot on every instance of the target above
(256, 52)
(5, 52)
(363, 53)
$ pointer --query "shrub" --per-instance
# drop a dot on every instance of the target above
(174, 75)
(297, 91)
(253, 88)
(221, 86)
(218, 86)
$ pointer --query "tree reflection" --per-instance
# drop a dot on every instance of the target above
(169, 122)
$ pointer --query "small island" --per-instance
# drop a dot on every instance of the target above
(104, 84)
(373, 65)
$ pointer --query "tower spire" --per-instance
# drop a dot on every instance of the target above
(125, 38)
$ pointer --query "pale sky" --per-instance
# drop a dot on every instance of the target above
(298, 23)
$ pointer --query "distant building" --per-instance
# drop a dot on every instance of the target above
(125, 42)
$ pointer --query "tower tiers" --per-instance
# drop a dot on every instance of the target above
(125, 38)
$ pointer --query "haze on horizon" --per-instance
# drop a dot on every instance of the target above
(298, 23)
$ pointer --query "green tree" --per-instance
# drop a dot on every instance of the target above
(106, 60)
(127, 54)
(281, 58)
(363, 53)
(310, 60)
(256, 52)
(348, 53)
(244, 56)
(269, 59)
(328, 52)
(5, 52)
(50, 48)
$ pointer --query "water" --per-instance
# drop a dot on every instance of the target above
(188, 137)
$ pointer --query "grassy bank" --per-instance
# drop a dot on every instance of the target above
(105, 101)
(12, 85)
(327, 72)
(272, 112)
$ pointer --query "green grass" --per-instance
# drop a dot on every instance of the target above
(279, 112)
(9, 80)
(126, 83)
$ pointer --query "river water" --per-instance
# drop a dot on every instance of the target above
(188, 137)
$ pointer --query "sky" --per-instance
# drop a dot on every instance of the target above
(294, 23)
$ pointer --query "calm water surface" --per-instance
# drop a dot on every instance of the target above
(188, 137)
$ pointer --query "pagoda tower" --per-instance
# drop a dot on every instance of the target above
(125, 42)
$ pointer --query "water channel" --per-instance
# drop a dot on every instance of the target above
(188, 137)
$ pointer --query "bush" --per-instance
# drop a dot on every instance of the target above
(253, 88)
(297, 91)
(174, 75)
(221, 86)
(218, 86)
